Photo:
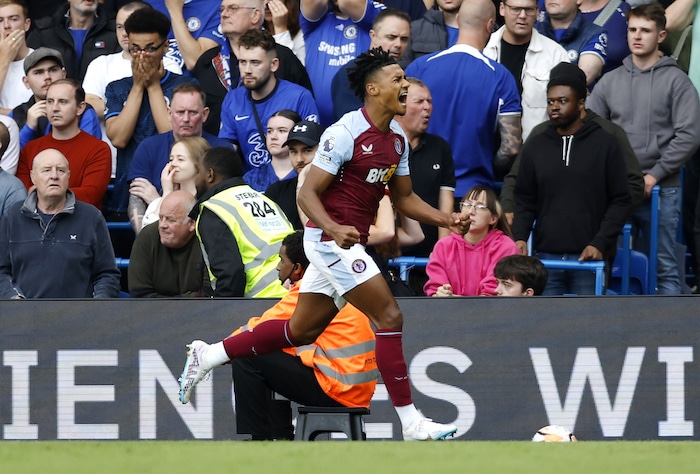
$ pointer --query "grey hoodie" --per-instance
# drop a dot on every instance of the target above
(659, 110)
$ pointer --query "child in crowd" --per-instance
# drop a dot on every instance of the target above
(520, 275)
(462, 265)
(179, 173)
(280, 166)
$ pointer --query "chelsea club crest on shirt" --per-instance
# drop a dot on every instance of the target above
(194, 23)
(350, 32)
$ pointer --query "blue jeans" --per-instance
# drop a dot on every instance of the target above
(668, 279)
(567, 282)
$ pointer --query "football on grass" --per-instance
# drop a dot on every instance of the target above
(554, 434)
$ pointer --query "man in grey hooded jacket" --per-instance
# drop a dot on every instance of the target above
(654, 101)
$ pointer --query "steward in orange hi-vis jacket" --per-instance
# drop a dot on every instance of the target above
(343, 355)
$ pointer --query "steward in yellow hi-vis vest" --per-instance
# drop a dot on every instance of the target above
(240, 231)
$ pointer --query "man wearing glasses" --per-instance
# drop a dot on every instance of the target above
(137, 107)
(528, 55)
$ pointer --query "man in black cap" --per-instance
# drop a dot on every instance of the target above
(41, 68)
(302, 142)
(573, 181)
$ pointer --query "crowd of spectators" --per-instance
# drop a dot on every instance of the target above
(137, 105)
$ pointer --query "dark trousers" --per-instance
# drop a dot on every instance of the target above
(255, 378)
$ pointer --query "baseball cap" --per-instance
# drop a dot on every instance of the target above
(39, 55)
(306, 132)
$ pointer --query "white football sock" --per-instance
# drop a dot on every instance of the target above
(407, 414)
(215, 355)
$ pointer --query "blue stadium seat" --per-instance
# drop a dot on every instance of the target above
(119, 225)
(637, 276)
(406, 263)
(591, 266)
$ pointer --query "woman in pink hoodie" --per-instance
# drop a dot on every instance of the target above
(462, 265)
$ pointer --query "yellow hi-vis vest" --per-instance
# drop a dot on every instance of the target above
(258, 225)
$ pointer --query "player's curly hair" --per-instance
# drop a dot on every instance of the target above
(366, 64)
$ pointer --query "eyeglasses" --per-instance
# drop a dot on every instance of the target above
(516, 11)
(147, 49)
(231, 9)
(469, 207)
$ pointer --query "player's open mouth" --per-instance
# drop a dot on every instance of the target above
(402, 98)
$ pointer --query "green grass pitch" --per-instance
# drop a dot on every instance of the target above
(339, 457)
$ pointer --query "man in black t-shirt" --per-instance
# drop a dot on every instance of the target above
(432, 171)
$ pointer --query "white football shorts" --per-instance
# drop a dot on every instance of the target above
(334, 270)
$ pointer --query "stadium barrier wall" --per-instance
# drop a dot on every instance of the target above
(499, 368)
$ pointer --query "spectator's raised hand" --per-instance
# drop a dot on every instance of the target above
(146, 72)
(279, 13)
(142, 188)
(166, 179)
(10, 45)
(174, 5)
(34, 113)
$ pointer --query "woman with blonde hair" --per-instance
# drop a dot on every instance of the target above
(179, 173)
(462, 265)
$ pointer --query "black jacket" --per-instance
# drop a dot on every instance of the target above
(52, 32)
(205, 70)
(575, 187)
(635, 180)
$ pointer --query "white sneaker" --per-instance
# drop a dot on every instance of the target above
(193, 372)
(425, 429)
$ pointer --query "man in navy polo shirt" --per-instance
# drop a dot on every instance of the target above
(187, 113)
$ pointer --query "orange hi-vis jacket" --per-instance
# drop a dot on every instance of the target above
(342, 357)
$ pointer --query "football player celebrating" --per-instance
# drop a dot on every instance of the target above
(358, 156)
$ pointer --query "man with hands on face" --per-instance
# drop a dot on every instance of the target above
(137, 107)
(14, 25)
